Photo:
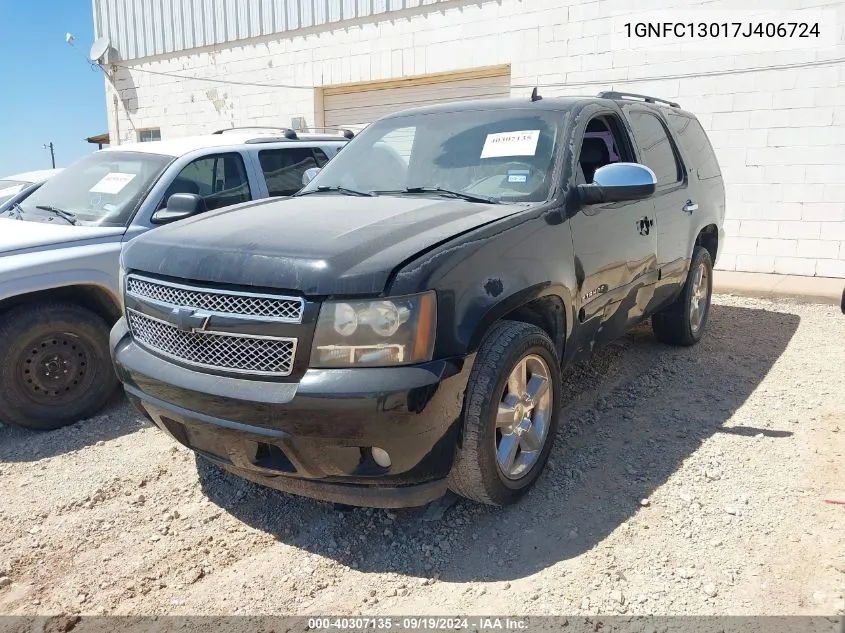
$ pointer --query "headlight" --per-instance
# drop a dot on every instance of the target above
(385, 332)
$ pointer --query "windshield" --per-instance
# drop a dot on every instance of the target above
(504, 155)
(11, 188)
(102, 189)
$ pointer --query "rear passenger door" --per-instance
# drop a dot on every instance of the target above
(657, 150)
(283, 168)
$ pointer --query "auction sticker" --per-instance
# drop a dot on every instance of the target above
(522, 143)
(112, 183)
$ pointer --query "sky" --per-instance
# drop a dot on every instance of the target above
(50, 93)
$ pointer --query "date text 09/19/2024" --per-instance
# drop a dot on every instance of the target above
(417, 624)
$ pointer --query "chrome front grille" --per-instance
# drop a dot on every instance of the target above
(241, 304)
(240, 353)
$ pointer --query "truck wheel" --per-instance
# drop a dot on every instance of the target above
(683, 322)
(510, 415)
(55, 367)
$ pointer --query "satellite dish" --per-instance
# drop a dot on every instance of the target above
(101, 51)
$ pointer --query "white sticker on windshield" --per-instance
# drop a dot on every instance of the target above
(10, 191)
(522, 143)
(112, 183)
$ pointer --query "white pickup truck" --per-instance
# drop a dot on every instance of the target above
(60, 246)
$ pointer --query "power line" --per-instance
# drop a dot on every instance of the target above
(714, 73)
(213, 80)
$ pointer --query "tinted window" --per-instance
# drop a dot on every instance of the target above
(655, 147)
(695, 144)
(321, 157)
(221, 180)
(283, 168)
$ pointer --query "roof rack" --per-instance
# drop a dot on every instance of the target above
(288, 132)
(627, 95)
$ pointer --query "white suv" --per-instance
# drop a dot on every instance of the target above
(59, 252)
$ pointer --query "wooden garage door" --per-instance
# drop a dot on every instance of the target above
(355, 107)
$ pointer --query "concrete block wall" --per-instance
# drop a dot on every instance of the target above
(779, 132)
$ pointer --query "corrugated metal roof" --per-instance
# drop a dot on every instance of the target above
(142, 28)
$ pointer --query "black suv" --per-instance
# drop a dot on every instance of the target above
(400, 325)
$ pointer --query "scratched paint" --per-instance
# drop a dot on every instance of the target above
(494, 287)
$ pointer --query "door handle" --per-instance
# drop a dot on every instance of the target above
(691, 206)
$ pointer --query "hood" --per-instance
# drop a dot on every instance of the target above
(18, 235)
(319, 244)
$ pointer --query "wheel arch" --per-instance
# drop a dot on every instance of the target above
(96, 298)
(708, 237)
(545, 305)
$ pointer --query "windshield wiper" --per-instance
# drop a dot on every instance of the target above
(18, 209)
(469, 197)
(65, 215)
(344, 190)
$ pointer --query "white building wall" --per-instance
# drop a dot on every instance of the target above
(779, 133)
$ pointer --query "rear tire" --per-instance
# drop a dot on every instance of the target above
(682, 323)
(507, 434)
(55, 367)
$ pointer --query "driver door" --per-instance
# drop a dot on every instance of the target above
(221, 180)
(615, 244)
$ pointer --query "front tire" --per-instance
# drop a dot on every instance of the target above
(55, 367)
(683, 322)
(510, 415)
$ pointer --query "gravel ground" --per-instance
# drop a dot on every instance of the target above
(683, 481)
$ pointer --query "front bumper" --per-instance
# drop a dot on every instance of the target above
(313, 437)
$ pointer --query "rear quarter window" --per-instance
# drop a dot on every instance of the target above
(695, 145)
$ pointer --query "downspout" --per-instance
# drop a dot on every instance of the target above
(116, 123)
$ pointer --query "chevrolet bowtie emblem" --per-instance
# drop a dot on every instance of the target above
(189, 320)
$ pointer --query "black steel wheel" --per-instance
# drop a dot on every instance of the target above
(55, 367)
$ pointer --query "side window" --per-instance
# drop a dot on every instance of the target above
(602, 145)
(220, 180)
(696, 145)
(656, 148)
(283, 168)
(321, 157)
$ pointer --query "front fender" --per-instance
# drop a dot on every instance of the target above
(90, 265)
(487, 273)
(492, 312)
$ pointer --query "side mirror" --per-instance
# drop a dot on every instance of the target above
(179, 206)
(619, 182)
(309, 174)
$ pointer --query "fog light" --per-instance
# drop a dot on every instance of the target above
(381, 457)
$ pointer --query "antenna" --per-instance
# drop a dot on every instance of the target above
(101, 52)
(535, 96)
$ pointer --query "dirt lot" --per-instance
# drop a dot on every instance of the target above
(684, 481)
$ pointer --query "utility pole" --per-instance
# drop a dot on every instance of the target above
(52, 153)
